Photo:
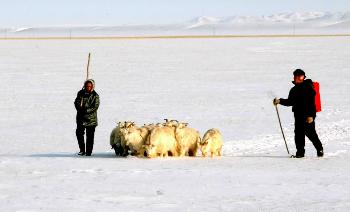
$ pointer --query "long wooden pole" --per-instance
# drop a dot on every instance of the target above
(87, 76)
(87, 68)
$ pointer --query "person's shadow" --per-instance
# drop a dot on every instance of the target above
(74, 155)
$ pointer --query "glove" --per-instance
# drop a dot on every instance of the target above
(309, 120)
(276, 101)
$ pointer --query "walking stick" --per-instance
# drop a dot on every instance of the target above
(284, 138)
(87, 68)
(87, 75)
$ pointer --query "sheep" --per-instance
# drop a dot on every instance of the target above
(161, 141)
(117, 138)
(117, 141)
(187, 140)
(135, 138)
(211, 143)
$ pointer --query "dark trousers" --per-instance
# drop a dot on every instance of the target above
(90, 133)
(301, 129)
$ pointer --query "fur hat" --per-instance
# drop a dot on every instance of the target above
(91, 81)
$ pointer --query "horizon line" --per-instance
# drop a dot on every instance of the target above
(174, 37)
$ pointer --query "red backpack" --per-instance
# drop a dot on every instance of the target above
(316, 86)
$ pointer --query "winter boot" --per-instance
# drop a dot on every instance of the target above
(320, 153)
(81, 153)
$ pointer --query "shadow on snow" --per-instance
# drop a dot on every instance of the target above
(74, 155)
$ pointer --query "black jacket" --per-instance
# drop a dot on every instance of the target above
(86, 105)
(302, 98)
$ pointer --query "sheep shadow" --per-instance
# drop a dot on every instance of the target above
(113, 156)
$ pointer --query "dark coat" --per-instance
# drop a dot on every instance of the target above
(86, 105)
(302, 98)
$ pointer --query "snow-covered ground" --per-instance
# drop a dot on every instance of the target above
(223, 83)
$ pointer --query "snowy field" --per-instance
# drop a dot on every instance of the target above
(223, 83)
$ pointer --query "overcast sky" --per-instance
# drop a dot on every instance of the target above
(132, 12)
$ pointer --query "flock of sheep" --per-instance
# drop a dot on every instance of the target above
(170, 138)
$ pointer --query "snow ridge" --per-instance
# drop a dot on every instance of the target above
(282, 23)
(313, 18)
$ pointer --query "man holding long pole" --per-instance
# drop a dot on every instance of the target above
(86, 103)
(302, 98)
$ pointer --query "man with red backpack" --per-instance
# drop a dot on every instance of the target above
(302, 98)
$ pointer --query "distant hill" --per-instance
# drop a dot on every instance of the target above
(282, 23)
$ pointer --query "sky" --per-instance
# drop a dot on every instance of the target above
(135, 12)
